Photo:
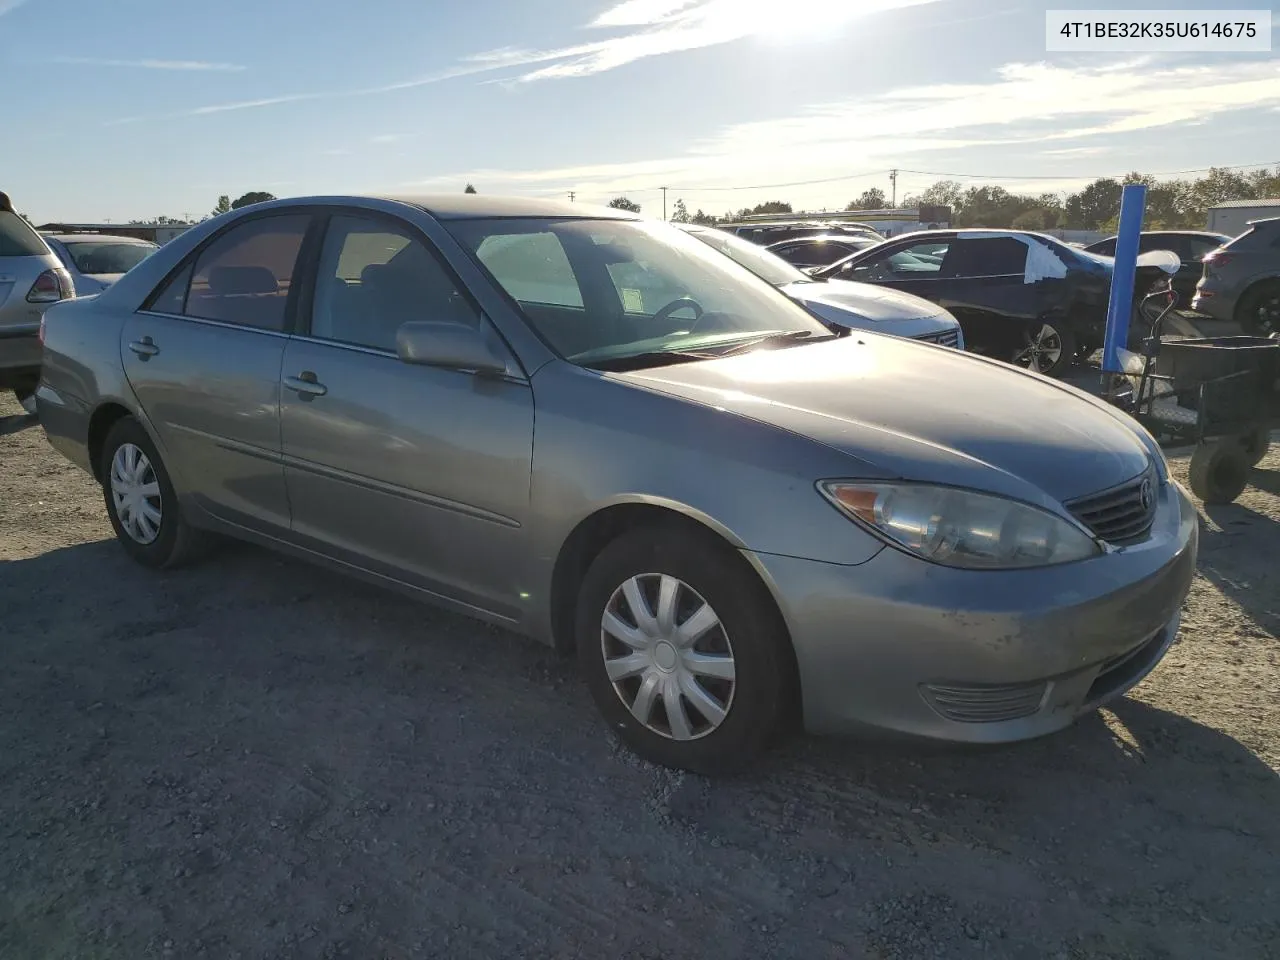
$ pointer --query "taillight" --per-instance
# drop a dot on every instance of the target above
(50, 287)
(1218, 259)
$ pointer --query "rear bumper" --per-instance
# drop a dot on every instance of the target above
(899, 645)
(19, 352)
(1214, 302)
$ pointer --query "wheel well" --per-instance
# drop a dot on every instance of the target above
(600, 529)
(1253, 288)
(100, 424)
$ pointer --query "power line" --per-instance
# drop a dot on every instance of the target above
(955, 176)
(772, 186)
(1157, 173)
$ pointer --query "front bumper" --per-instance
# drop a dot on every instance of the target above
(900, 645)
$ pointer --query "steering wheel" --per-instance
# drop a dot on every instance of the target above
(680, 304)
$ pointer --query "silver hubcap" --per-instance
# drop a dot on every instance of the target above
(668, 656)
(135, 491)
(1042, 350)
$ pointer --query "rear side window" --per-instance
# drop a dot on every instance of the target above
(17, 239)
(243, 277)
(1200, 247)
(986, 257)
(1105, 249)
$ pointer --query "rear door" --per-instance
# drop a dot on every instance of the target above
(203, 357)
(991, 291)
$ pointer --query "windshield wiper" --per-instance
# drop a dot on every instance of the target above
(655, 358)
(774, 339)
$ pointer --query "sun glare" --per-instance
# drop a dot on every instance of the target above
(787, 21)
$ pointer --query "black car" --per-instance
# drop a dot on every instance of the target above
(822, 250)
(1022, 297)
(1191, 246)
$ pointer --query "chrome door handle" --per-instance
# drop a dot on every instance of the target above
(144, 348)
(305, 385)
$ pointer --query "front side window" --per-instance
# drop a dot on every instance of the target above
(919, 261)
(376, 275)
(244, 276)
(600, 291)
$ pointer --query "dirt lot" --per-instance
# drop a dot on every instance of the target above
(253, 758)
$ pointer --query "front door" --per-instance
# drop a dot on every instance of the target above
(413, 472)
(203, 358)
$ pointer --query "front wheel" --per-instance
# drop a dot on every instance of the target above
(141, 501)
(683, 652)
(1047, 347)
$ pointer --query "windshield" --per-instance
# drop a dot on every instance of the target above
(606, 290)
(17, 239)
(107, 256)
(765, 265)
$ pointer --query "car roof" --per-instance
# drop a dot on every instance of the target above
(79, 237)
(823, 238)
(474, 206)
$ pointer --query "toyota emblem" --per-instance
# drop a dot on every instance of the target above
(1144, 494)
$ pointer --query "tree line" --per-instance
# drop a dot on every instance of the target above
(1171, 204)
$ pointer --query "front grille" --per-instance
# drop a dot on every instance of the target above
(947, 338)
(1121, 515)
(986, 704)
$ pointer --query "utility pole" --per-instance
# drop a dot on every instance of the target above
(664, 203)
(571, 196)
(893, 179)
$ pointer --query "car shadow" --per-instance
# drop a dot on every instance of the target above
(306, 701)
(1239, 546)
(17, 423)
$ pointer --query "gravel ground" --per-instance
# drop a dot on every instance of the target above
(257, 759)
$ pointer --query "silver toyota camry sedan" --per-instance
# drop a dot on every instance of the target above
(598, 431)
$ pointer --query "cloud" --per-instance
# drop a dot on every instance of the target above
(199, 65)
(1055, 114)
(657, 27)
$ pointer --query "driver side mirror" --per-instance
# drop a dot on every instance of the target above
(454, 346)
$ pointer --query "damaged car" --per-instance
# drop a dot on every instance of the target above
(1025, 298)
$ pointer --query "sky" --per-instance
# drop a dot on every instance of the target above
(137, 108)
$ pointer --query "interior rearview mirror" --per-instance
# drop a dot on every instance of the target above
(454, 346)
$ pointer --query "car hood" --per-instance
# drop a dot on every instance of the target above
(918, 412)
(872, 303)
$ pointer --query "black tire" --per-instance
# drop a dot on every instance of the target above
(25, 393)
(175, 541)
(1047, 347)
(1256, 445)
(1258, 312)
(1219, 471)
(750, 629)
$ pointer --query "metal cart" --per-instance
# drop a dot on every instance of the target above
(1216, 392)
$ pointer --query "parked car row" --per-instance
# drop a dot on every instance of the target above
(37, 271)
(734, 515)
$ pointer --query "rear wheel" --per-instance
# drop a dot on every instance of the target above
(1219, 470)
(684, 653)
(1047, 347)
(141, 501)
(1259, 310)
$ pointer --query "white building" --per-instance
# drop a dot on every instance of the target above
(1233, 216)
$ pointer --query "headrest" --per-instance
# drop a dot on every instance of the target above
(239, 281)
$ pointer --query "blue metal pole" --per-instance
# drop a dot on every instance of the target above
(1133, 201)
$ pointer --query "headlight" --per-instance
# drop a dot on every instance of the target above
(960, 528)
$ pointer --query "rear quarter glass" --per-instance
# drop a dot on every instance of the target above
(17, 239)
